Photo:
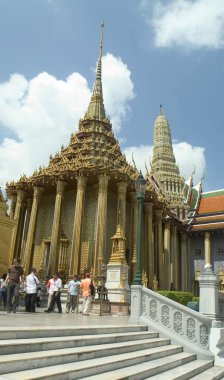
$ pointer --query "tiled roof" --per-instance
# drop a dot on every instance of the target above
(211, 203)
(210, 215)
(194, 198)
(209, 218)
(207, 226)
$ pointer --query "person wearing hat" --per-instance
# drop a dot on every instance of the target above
(56, 297)
(86, 293)
(31, 284)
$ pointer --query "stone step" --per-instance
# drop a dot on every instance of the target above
(43, 344)
(214, 373)
(24, 361)
(155, 360)
(56, 331)
(185, 371)
(156, 366)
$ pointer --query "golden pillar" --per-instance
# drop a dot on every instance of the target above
(167, 258)
(77, 226)
(26, 226)
(150, 249)
(175, 261)
(159, 227)
(121, 207)
(17, 215)
(207, 243)
(31, 230)
(134, 226)
(12, 205)
(55, 234)
(100, 232)
(20, 229)
(184, 262)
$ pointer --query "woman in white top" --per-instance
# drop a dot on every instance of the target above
(31, 285)
(56, 297)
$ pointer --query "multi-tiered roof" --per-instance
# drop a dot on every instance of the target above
(91, 151)
(163, 161)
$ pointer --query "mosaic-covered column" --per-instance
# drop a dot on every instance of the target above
(27, 221)
(17, 215)
(159, 228)
(134, 224)
(184, 262)
(100, 242)
(77, 226)
(121, 208)
(55, 234)
(33, 218)
(150, 250)
(207, 243)
(12, 198)
(167, 258)
(175, 259)
(20, 229)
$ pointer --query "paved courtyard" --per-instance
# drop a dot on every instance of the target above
(23, 319)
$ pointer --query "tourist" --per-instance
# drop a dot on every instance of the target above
(50, 290)
(87, 290)
(14, 278)
(56, 297)
(73, 292)
(38, 298)
(31, 285)
(3, 289)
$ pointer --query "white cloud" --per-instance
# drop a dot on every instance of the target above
(189, 24)
(141, 155)
(187, 156)
(118, 89)
(43, 112)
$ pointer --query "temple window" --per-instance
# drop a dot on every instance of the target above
(198, 251)
(220, 250)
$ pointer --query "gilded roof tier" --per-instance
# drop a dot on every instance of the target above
(93, 149)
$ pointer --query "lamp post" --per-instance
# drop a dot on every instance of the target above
(140, 186)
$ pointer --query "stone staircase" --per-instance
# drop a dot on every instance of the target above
(97, 352)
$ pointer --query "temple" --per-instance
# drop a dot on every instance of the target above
(67, 216)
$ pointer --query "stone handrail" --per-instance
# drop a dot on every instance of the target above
(172, 319)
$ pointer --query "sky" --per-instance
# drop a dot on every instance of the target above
(154, 52)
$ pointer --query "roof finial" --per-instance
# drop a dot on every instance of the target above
(98, 74)
(161, 109)
(193, 171)
(96, 107)
(101, 39)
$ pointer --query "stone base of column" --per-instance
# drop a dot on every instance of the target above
(136, 303)
(208, 304)
(117, 283)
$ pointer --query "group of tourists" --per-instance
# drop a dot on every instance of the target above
(10, 286)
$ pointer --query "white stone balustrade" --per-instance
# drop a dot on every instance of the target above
(181, 324)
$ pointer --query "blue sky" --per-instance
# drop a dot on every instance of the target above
(168, 52)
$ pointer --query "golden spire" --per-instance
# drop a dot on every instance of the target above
(96, 107)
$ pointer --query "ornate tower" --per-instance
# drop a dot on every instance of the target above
(164, 165)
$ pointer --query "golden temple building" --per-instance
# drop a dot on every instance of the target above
(7, 226)
(65, 214)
